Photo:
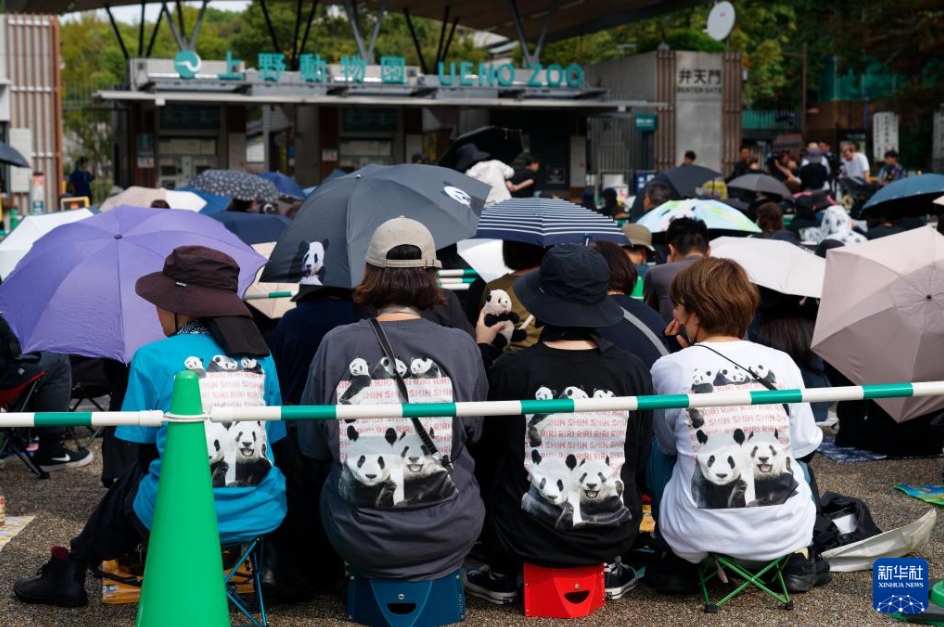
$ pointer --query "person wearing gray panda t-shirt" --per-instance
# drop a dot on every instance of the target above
(387, 488)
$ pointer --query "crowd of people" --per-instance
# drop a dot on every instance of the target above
(410, 499)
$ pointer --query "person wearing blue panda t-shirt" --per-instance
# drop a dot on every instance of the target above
(210, 332)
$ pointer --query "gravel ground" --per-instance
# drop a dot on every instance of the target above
(62, 503)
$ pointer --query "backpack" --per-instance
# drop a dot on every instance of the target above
(836, 508)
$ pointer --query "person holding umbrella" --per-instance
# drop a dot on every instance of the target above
(481, 166)
(404, 485)
(208, 330)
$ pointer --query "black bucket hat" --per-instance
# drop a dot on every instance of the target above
(196, 281)
(570, 289)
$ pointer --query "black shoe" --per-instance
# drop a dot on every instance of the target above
(282, 582)
(802, 574)
(619, 579)
(61, 581)
(672, 575)
(493, 587)
(62, 459)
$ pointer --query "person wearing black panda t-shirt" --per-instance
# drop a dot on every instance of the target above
(561, 490)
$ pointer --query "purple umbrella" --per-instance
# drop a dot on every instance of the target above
(74, 291)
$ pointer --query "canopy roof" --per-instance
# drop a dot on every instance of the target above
(570, 18)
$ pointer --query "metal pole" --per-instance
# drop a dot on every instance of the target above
(304, 42)
(516, 20)
(268, 21)
(180, 20)
(114, 27)
(351, 10)
(178, 37)
(381, 13)
(141, 30)
(452, 31)
(547, 23)
(196, 27)
(157, 26)
(298, 25)
(442, 35)
(416, 41)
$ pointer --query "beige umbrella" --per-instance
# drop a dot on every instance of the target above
(144, 196)
(258, 293)
(881, 319)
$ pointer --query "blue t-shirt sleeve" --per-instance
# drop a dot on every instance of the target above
(140, 396)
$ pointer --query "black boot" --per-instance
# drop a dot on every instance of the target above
(60, 582)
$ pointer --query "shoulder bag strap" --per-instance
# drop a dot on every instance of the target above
(754, 376)
(421, 431)
(652, 337)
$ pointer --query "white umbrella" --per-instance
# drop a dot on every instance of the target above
(15, 245)
(257, 295)
(881, 319)
(144, 196)
(775, 264)
(485, 257)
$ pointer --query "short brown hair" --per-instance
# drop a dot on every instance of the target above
(623, 274)
(720, 293)
(406, 287)
(770, 217)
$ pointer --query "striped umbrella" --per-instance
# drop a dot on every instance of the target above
(546, 222)
(716, 215)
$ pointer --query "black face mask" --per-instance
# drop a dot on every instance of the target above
(683, 334)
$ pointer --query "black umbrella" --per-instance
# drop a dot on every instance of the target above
(500, 143)
(762, 184)
(9, 154)
(237, 184)
(327, 242)
(685, 178)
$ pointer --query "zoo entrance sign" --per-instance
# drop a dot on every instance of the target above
(392, 70)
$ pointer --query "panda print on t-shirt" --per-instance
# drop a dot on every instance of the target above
(742, 454)
(574, 463)
(238, 452)
(384, 462)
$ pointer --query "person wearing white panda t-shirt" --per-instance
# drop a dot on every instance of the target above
(727, 480)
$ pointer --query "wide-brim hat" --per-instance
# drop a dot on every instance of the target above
(570, 289)
(638, 235)
(196, 281)
(467, 155)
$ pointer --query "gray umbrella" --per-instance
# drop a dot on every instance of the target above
(9, 154)
(236, 184)
(761, 183)
(327, 242)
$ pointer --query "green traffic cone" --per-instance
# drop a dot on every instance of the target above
(183, 577)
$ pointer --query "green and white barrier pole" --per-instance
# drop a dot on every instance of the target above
(490, 408)
(467, 273)
(286, 294)
(562, 406)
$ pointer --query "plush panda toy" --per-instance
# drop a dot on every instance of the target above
(498, 309)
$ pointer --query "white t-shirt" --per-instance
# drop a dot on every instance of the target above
(494, 173)
(857, 166)
(736, 488)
